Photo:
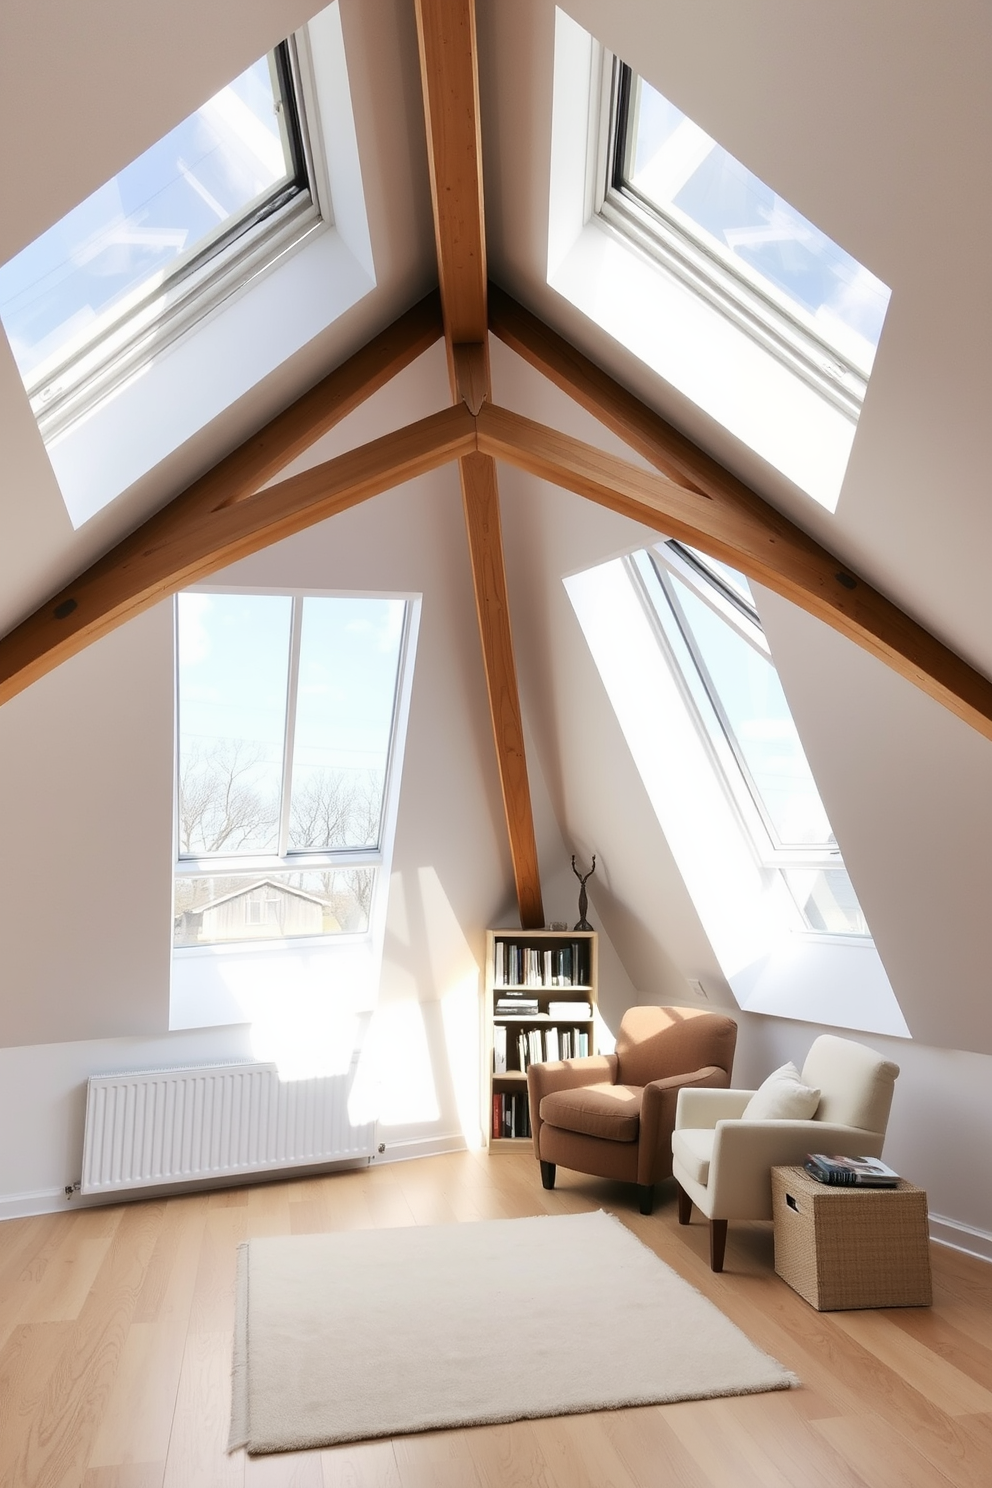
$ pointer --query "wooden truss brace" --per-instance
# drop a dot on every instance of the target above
(162, 556)
(226, 515)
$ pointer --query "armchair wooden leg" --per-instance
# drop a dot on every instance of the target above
(646, 1191)
(547, 1174)
(685, 1206)
(718, 1243)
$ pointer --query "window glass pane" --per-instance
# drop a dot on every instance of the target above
(758, 715)
(104, 255)
(827, 900)
(735, 582)
(676, 167)
(233, 670)
(272, 906)
(349, 657)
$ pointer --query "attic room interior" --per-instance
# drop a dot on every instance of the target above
(476, 403)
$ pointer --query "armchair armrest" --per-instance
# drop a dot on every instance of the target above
(564, 1074)
(744, 1153)
(654, 1151)
(702, 1109)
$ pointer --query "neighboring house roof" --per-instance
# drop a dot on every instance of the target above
(286, 890)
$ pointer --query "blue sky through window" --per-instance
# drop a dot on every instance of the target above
(684, 173)
(234, 656)
(114, 247)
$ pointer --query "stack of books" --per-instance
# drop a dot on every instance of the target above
(516, 1007)
(851, 1172)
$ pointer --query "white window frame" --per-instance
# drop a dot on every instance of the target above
(297, 860)
(772, 963)
(656, 314)
(741, 295)
(647, 568)
(65, 388)
(251, 331)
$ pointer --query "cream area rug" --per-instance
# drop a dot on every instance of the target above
(369, 1333)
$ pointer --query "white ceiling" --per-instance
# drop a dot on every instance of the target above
(873, 121)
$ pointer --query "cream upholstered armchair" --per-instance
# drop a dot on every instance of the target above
(722, 1160)
(613, 1114)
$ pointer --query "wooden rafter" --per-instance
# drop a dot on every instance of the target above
(449, 71)
(164, 556)
(225, 516)
(132, 575)
(300, 425)
(753, 537)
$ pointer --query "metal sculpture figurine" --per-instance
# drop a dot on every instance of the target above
(583, 900)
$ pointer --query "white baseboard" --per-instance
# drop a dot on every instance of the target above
(961, 1236)
(422, 1147)
(37, 1201)
(54, 1201)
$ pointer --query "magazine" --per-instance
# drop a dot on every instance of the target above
(852, 1172)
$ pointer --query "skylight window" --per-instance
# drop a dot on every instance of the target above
(714, 639)
(715, 224)
(89, 302)
(287, 710)
(701, 270)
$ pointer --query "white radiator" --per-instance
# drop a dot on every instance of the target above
(185, 1125)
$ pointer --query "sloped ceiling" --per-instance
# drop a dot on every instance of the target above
(93, 86)
(873, 121)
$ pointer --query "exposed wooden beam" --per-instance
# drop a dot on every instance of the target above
(471, 373)
(755, 538)
(236, 476)
(636, 424)
(329, 401)
(448, 51)
(481, 499)
(178, 547)
(449, 71)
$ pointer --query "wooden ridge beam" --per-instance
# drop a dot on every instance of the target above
(166, 555)
(755, 538)
(449, 71)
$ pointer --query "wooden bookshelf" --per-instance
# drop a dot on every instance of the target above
(567, 963)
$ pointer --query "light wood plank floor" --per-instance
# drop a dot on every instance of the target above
(115, 1338)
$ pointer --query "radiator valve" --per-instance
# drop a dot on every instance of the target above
(71, 1189)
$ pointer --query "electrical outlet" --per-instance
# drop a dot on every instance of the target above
(698, 990)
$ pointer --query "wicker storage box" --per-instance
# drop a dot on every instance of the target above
(851, 1247)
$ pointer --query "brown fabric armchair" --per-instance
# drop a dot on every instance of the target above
(614, 1114)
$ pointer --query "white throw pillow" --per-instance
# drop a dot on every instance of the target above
(782, 1097)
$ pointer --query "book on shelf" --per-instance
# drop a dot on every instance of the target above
(517, 965)
(499, 1049)
(850, 1172)
(511, 1114)
(551, 1045)
(536, 1050)
(516, 1007)
(574, 1043)
(570, 1011)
